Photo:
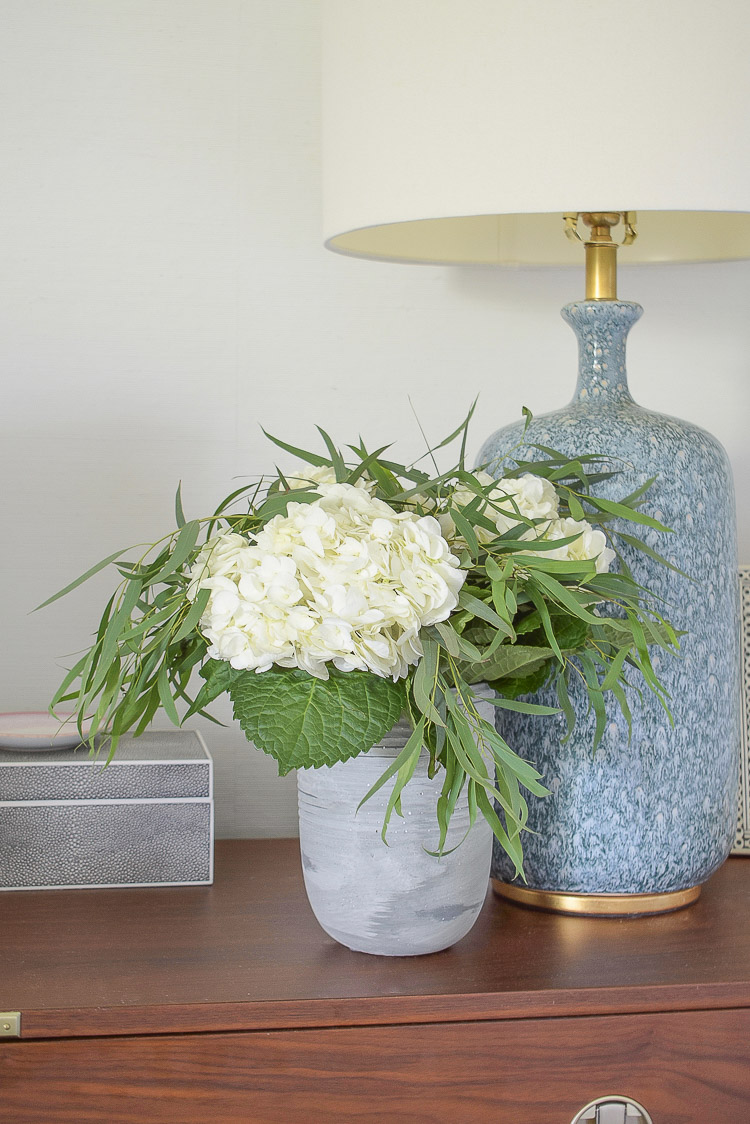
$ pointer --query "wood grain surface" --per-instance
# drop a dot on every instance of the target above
(688, 1068)
(247, 954)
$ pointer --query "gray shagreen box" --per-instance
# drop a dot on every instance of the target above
(147, 819)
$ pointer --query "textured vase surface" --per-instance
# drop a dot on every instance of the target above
(393, 900)
(657, 814)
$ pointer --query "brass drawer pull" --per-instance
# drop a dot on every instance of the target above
(612, 1110)
(10, 1024)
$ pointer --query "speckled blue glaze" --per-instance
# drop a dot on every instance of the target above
(657, 814)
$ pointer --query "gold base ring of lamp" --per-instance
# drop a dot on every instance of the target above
(597, 905)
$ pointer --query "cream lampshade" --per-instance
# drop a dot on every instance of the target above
(461, 131)
(466, 131)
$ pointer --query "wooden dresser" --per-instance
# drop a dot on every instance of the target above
(228, 1003)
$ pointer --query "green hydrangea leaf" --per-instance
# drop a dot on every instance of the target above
(571, 632)
(304, 722)
(513, 686)
(532, 622)
(509, 659)
(218, 675)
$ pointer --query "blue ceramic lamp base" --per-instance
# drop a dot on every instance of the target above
(639, 825)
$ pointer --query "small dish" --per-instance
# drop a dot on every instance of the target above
(38, 731)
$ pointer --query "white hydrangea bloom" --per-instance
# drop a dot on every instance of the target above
(310, 476)
(344, 580)
(590, 543)
(532, 497)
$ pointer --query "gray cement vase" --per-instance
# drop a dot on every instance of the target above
(394, 900)
(655, 816)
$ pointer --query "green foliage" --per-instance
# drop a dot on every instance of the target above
(513, 686)
(523, 620)
(305, 722)
(219, 676)
(516, 660)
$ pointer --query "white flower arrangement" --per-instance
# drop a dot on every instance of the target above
(348, 580)
(346, 595)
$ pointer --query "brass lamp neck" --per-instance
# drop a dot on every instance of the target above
(601, 257)
(601, 249)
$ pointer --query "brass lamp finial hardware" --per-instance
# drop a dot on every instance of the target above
(601, 249)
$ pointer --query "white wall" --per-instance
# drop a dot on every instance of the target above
(164, 292)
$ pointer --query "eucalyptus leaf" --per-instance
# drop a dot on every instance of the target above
(625, 512)
(595, 697)
(183, 547)
(310, 458)
(179, 514)
(639, 544)
(412, 746)
(165, 696)
(524, 707)
(193, 615)
(481, 609)
(425, 681)
(564, 699)
(83, 578)
(537, 596)
(336, 459)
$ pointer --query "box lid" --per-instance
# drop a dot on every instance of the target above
(160, 765)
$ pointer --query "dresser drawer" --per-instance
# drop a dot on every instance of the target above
(685, 1068)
